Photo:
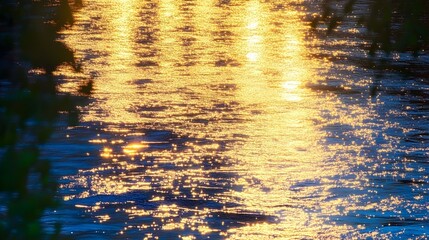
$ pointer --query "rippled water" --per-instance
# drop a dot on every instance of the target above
(231, 119)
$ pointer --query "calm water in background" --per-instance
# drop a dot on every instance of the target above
(230, 119)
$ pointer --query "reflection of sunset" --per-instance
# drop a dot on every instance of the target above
(106, 153)
(134, 148)
(208, 126)
(252, 56)
(266, 67)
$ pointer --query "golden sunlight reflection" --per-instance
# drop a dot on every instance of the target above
(205, 124)
(252, 56)
(291, 85)
(134, 148)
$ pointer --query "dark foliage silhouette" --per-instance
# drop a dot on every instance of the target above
(392, 26)
(29, 108)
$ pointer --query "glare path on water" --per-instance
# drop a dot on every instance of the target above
(206, 122)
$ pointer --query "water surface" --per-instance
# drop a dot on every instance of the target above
(231, 119)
